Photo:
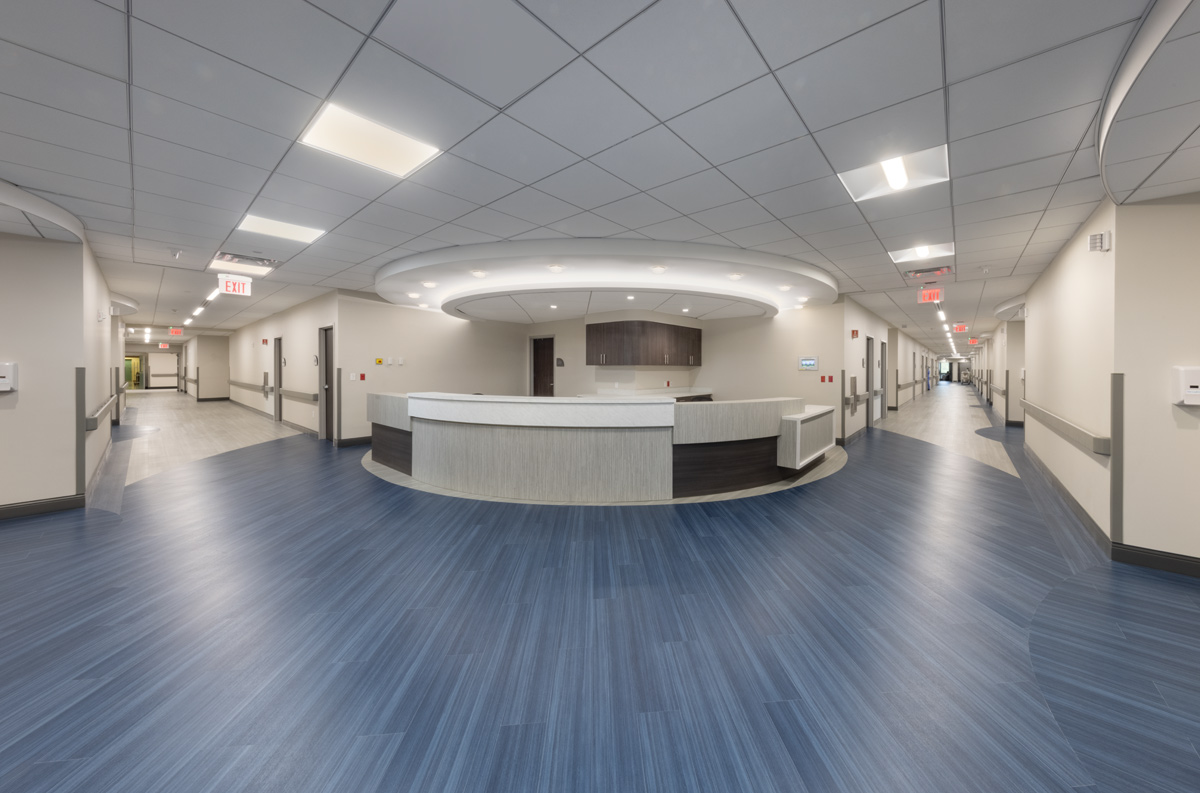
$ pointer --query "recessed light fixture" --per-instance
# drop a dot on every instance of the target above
(187, 321)
(898, 173)
(658, 269)
(553, 306)
(213, 294)
(686, 310)
(930, 252)
(429, 284)
(195, 313)
(349, 135)
(942, 316)
(241, 264)
(802, 299)
(414, 295)
(734, 276)
(556, 268)
(479, 273)
(422, 305)
(277, 228)
(784, 287)
(629, 297)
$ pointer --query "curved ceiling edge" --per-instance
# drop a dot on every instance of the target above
(591, 247)
(122, 305)
(451, 305)
(17, 198)
(1155, 27)
(1010, 309)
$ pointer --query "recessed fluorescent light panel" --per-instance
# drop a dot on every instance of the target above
(898, 173)
(241, 265)
(346, 134)
(277, 228)
(922, 252)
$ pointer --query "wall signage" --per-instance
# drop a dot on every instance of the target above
(234, 284)
(854, 334)
(808, 363)
(930, 296)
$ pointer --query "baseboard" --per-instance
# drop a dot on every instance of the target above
(1159, 560)
(892, 408)
(298, 428)
(252, 409)
(27, 508)
(1094, 531)
(1012, 423)
(213, 399)
(859, 434)
(363, 441)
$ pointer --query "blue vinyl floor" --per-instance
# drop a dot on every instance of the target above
(277, 619)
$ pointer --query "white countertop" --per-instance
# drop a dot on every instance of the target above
(525, 411)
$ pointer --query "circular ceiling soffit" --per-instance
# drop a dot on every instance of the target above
(1013, 308)
(122, 305)
(464, 275)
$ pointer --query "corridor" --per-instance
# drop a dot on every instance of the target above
(274, 617)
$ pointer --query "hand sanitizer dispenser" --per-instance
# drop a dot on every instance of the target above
(1185, 386)
(8, 377)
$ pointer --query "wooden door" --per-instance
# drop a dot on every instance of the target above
(542, 363)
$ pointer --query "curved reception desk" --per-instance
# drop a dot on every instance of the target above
(591, 450)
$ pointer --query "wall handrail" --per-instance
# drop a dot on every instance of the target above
(266, 389)
(92, 422)
(299, 396)
(1088, 441)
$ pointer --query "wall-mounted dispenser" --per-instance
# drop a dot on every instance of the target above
(8, 377)
(1185, 385)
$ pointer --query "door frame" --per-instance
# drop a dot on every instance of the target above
(870, 384)
(277, 377)
(553, 362)
(325, 384)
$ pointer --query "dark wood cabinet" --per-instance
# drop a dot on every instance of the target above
(641, 343)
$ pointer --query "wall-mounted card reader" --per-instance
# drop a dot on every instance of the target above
(8, 377)
(1185, 388)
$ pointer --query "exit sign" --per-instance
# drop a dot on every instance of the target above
(164, 346)
(960, 328)
(176, 331)
(972, 341)
(930, 296)
(234, 285)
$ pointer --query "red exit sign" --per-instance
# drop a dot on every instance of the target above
(972, 341)
(960, 328)
(164, 346)
(930, 296)
(176, 331)
(234, 284)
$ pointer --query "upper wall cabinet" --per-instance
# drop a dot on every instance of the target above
(642, 343)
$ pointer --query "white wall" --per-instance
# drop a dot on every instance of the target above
(1157, 288)
(870, 325)
(96, 350)
(901, 351)
(754, 358)
(440, 352)
(249, 358)
(1069, 357)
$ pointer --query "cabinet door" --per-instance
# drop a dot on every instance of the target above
(593, 344)
(692, 346)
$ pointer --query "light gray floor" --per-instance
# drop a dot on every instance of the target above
(948, 416)
(189, 430)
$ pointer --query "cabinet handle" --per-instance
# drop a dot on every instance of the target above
(690, 359)
(666, 358)
(601, 357)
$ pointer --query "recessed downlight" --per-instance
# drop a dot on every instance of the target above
(479, 273)
(658, 269)
(784, 287)
(429, 284)
(277, 228)
(686, 310)
(414, 295)
(422, 305)
(349, 135)
(629, 297)
(553, 306)
(734, 276)
(556, 268)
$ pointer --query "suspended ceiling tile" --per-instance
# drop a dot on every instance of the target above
(1127, 176)
(1166, 190)
(1012, 179)
(1028, 140)
(697, 305)
(171, 66)
(1161, 84)
(807, 197)
(336, 173)
(359, 14)
(370, 232)
(56, 127)
(733, 311)
(907, 202)
(1084, 191)
(679, 54)
(186, 126)
(786, 31)
(584, 22)
(306, 194)
(587, 224)
(393, 91)
(698, 192)
(651, 158)
(751, 118)
(897, 59)
(581, 109)
(1154, 133)
(764, 233)
(1003, 206)
(585, 186)
(499, 309)
(737, 215)
(636, 211)
(788, 246)
(460, 235)
(1016, 239)
(513, 149)
(542, 234)
(912, 239)
(1083, 165)
(463, 179)
(787, 164)
(1182, 166)
(1054, 233)
(534, 206)
(567, 305)
(426, 201)
(911, 224)
(490, 221)
(40, 78)
(55, 185)
(992, 228)
(275, 38)
(164, 157)
(914, 125)
(57, 159)
(180, 187)
(679, 230)
(838, 217)
(1069, 76)
(495, 50)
